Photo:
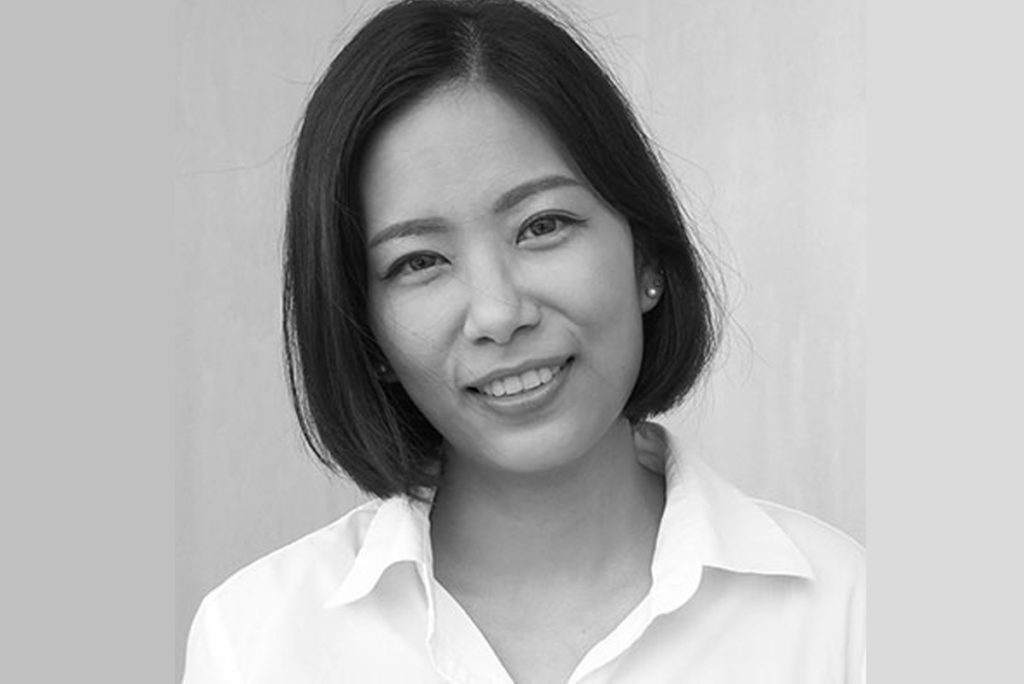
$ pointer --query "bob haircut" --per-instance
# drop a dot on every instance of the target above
(354, 419)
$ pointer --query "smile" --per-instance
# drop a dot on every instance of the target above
(512, 385)
(517, 394)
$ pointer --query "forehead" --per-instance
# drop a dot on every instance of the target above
(455, 151)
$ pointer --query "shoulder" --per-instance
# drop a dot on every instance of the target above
(264, 608)
(838, 564)
(832, 554)
(838, 588)
(306, 570)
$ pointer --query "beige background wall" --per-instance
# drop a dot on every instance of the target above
(759, 109)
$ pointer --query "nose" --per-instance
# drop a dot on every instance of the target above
(499, 304)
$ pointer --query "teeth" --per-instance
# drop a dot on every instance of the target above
(514, 384)
(531, 379)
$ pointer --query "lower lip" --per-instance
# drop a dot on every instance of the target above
(529, 401)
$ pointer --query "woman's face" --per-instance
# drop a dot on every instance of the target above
(503, 291)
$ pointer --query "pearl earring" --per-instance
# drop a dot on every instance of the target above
(652, 291)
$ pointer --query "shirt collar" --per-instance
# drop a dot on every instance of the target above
(399, 531)
(706, 523)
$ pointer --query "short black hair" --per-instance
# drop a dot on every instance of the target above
(370, 429)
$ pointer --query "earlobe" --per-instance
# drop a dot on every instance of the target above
(652, 287)
(384, 373)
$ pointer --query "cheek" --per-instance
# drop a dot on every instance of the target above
(414, 333)
(599, 293)
(599, 286)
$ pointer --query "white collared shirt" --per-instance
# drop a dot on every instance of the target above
(742, 591)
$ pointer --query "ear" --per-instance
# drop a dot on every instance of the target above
(652, 285)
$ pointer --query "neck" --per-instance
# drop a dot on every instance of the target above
(591, 522)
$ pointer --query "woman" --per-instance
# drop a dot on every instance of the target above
(489, 289)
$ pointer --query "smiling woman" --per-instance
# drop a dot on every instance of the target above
(489, 289)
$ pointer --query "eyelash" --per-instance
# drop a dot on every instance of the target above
(561, 222)
(403, 265)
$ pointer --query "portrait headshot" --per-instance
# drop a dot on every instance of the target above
(520, 341)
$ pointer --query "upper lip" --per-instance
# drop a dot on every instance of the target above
(533, 364)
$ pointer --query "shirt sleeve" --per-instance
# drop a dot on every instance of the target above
(209, 656)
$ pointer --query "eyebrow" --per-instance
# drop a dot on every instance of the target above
(508, 200)
(529, 188)
(412, 228)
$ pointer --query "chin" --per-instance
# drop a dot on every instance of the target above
(536, 451)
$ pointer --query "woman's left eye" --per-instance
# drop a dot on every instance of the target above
(545, 226)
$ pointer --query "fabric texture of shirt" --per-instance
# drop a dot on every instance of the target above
(742, 591)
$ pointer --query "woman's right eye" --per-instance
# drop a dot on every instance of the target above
(412, 264)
